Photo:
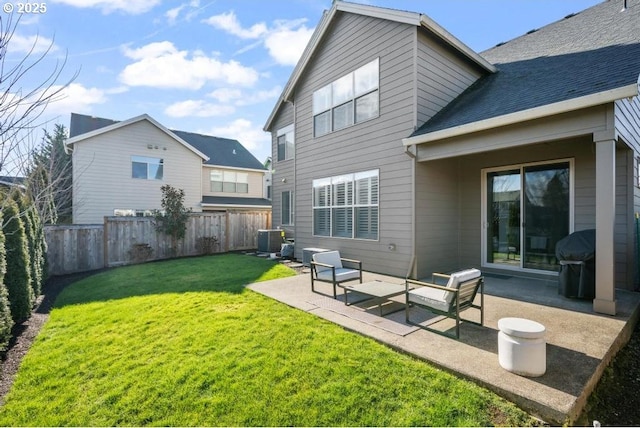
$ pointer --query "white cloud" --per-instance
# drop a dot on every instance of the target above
(285, 45)
(260, 96)
(198, 108)
(132, 7)
(246, 98)
(229, 22)
(188, 11)
(25, 44)
(75, 97)
(172, 14)
(252, 137)
(161, 65)
(225, 95)
(285, 41)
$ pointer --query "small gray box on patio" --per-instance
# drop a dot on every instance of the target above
(307, 253)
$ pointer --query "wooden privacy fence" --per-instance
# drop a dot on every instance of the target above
(126, 240)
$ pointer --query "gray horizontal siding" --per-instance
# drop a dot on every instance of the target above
(282, 169)
(376, 144)
(627, 125)
(441, 76)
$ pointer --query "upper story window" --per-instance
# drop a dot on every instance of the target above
(348, 100)
(286, 143)
(229, 181)
(146, 168)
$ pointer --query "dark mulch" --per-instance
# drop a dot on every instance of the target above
(615, 402)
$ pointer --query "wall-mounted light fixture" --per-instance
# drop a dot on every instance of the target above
(392, 247)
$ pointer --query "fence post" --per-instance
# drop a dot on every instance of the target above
(227, 227)
(105, 243)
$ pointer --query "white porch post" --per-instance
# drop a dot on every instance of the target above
(605, 301)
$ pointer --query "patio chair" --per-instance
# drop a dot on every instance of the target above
(447, 295)
(328, 267)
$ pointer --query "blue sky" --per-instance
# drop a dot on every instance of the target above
(216, 67)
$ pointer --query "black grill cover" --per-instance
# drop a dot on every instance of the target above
(577, 256)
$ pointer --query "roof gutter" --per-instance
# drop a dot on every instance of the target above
(525, 115)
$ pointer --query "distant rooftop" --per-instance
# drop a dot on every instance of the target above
(221, 151)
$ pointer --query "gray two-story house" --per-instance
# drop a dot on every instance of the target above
(397, 144)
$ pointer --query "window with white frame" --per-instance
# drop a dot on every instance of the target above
(229, 181)
(346, 206)
(348, 100)
(286, 143)
(637, 170)
(147, 168)
(287, 208)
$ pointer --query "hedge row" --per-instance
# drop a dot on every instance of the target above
(22, 261)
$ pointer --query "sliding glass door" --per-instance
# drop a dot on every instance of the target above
(527, 211)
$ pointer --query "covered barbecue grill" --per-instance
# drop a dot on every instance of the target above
(577, 256)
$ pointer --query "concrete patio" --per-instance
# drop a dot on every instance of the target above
(580, 343)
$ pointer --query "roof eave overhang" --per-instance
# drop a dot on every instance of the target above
(525, 115)
(454, 42)
(78, 138)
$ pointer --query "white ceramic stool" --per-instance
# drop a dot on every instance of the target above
(521, 346)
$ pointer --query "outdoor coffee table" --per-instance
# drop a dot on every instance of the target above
(379, 290)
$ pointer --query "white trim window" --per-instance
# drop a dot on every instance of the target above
(285, 139)
(346, 206)
(146, 168)
(287, 208)
(229, 181)
(351, 99)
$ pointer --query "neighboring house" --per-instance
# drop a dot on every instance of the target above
(119, 168)
(397, 144)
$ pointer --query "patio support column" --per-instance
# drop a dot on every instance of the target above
(605, 301)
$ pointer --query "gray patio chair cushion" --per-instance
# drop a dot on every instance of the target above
(439, 299)
(429, 297)
(457, 278)
(333, 258)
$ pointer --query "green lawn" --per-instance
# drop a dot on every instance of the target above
(182, 342)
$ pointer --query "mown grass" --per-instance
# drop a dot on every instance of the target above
(184, 343)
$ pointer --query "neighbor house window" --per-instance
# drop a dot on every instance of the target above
(133, 213)
(286, 143)
(346, 206)
(287, 208)
(348, 100)
(146, 168)
(229, 181)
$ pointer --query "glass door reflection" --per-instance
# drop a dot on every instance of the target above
(503, 204)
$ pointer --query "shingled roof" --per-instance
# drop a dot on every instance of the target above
(596, 51)
(219, 151)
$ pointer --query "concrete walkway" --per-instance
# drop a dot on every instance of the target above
(580, 343)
